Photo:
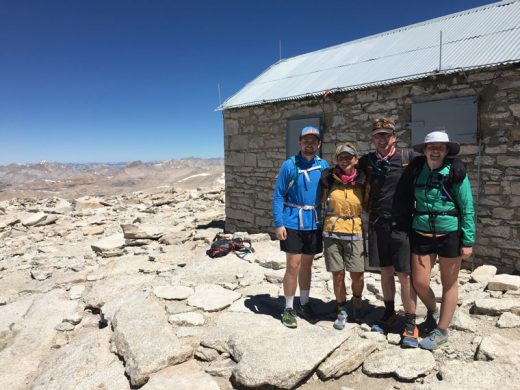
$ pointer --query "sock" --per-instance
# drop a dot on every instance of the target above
(443, 331)
(389, 307)
(289, 299)
(409, 319)
(304, 297)
(434, 314)
(341, 306)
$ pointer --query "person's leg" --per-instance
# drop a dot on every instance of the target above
(421, 273)
(408, 295)
(358, 283)
(340, 291)
(449, 268)
(388, 283)
(409, 298)
(290, 281)
(292, 269)
(304, 276)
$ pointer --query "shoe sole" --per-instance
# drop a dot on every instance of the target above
(441, 346)
(290, 326)
(409, 343)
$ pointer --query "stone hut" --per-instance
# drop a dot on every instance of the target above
(460, 72)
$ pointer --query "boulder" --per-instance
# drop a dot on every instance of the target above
(473, 375)
(109, 244)
(210, 297)
(185, 376)
(145, 340)
(348, 357)
(495, 307)
(483, 274)
(499, 349)
(406, 364)
(256, 341)
(34, 337)
(508, 320)
(187, 319)
(34, 219)
(142, 231)
(73, 366)
(173, 292)
(504, 282)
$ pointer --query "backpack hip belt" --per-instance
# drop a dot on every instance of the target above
(452, 212)
(336, 217)
(300, 212)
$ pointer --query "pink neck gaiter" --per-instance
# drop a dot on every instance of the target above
(346, 179)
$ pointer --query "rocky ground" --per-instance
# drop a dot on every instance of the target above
(118, 293)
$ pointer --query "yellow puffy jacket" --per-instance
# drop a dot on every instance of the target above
(342, 205)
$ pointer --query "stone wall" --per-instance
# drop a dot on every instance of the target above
(255, 149)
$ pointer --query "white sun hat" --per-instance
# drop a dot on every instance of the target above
(438, 136)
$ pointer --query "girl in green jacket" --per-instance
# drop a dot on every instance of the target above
(443, 226)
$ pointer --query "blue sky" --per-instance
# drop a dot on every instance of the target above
(108, 81)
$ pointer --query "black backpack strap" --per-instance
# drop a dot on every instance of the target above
(457, 171)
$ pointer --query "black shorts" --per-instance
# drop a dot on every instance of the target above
(388, 247)
(307, 242)
(447, 245)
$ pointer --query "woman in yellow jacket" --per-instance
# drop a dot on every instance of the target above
(343, 188)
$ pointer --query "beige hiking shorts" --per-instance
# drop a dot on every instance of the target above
(342, 255)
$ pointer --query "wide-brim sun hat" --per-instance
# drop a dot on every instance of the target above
(438, 136)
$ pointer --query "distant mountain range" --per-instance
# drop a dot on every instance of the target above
(72, 179)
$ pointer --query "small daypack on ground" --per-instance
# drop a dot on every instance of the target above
(221, 246)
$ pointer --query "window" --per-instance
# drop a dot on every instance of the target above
(458, 117)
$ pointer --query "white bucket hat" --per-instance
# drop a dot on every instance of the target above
(438, 136)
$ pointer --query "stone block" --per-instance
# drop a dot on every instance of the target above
(250, 160)
(231, 126)
(239, 142)
(499, 149)
(515, 109)
(504, 282)
(508, 161)
(468, 149)
(502, 213)
(235, 159)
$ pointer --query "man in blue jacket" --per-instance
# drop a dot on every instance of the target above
(296, 200)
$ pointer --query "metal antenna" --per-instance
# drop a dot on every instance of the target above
(219, 99)
(280, 48)
(440, 51)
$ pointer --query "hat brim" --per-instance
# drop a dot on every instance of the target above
(314, 135)
(387, 131)
(453, 148)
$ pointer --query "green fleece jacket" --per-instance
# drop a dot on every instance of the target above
(429, 196)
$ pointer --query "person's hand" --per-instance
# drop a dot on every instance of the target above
(281, 233)
(466, 252)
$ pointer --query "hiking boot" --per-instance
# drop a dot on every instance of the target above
(289, 318)
(307, 313)
(384, 323)
(434, 340)
(357, 309)
(410, 336)
(430, 323)
(341, 321)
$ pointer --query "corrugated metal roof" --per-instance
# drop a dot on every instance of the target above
(476, 38)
